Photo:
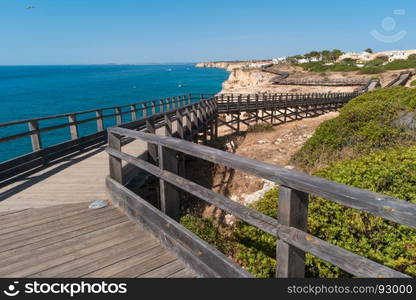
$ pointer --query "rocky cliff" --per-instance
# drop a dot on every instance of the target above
(229, 66)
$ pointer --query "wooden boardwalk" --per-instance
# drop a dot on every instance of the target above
(48, 230)
(80, 178)
(72, 240)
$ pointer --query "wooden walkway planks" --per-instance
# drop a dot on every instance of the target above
(73, 180)
(75, 241)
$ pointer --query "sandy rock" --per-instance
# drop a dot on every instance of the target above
(251, 198)
(290, 167)
(229, 220)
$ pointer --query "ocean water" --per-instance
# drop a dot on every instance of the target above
(37, 91)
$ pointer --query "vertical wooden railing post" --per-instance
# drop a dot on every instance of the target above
(239, 114)
(169, 195)
(144, 110)
(35, 137)
(293, 212)
(179, 121)
(119, 119)
(73, 128)
(151, 148)
(195, 116)
(133, 112)
(168, 126)
(188, 123)
(257, 108)
(153, 108)
(100, 123)
(116, 165)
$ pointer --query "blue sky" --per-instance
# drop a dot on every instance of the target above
(133, 31)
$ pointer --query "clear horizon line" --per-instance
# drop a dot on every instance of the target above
(102, 64)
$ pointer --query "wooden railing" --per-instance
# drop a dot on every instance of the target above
(290, 228)
(138, 114)
(239, 102)
(400, 80)
(276, 109)
(323, 82)
(270, 108)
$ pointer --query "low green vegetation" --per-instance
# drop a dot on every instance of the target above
(371, 70)
(364, 125)
(249, 246)
(413, 83)
(320, 67)
(401, 64)
(363, 147)
(261, 127)
(376, 66)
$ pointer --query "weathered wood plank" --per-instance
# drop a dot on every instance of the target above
(380, 205)
(252, 217)
(116, 166)
(165, 270)
(347, 261)
(154, 259)
(199, 255)
(292, 212)
(169, 195)
(35, 137)
(100, 259)
(136, 264)
(73, 127)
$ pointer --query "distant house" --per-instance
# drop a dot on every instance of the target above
(398, 55)
(359, 57)
(260, 65)
(279, 60)
(350, 55)
(303, 61)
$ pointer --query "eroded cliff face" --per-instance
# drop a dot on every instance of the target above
(247, 81)
(229, 66)
(251, 81)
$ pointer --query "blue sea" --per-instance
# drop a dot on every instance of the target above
(37, 91)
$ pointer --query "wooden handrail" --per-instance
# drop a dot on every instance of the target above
(190, 96)
(389, 208)
(293, 185)
(42, 156)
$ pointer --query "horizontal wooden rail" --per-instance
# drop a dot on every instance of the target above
(204, 259)
(389, 208)
(290, 181)
(400, 80)
(42, 156)
(148, 104)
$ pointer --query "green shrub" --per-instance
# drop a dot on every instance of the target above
(364, 125)
(320, 67)
(247, 245)
(391, 172)
(371, 70)
(205, 229)
(364, 128)
(377, 62)
(413, 83)
(400, 64)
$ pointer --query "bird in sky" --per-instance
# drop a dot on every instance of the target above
(30, 7)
